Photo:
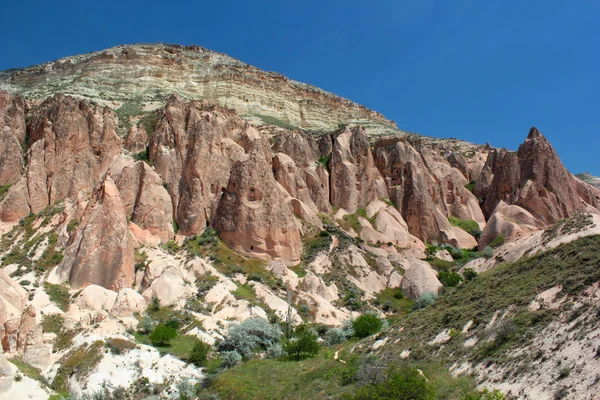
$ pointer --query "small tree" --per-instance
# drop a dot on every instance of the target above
(305, 342)
(162, 335)
(367, 325)
(450, 278)
(199, 353)
(469, 274)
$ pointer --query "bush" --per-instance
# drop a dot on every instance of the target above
(488, 252)
(469, 274)
(275, 351)
(251, 334)
(401, 384)
(199, 353)
(366, 325)
(303, 342)
(425, 300)
(449, 278)
(162, 335)
(334, 336)
(431, 251)
(230, 359)
(145, 325)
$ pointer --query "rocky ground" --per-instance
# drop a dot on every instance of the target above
(119, 214)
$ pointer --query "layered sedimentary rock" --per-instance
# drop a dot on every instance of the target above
(101, 252)
(535, 179)
(151, 70)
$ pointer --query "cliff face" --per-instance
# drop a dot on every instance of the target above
(205, 166)
(147, 73)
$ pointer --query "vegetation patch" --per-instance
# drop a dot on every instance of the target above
(469, 226)
(267, 119)
(28, 370)
(574, 265)
(80, 362)
(393, 301)
(350, 221)
(59, 295)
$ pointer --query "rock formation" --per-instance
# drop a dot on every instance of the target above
(252, 215)
(535, 179)
(101, 251)
(71, 145)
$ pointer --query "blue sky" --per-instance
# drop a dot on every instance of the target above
(476, 70)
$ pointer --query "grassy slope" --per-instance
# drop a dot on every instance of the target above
(575, 265)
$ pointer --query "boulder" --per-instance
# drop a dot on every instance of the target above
(96, 298)
(128, 302)
(7, 372)
(510, 221)
(419, 279)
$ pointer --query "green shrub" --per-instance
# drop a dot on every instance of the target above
(469, 274)
(431, 251)
(304, 342)
(334, 336)
(230, 359)
(162, 335)
(425, 300)
(252, 334)
(488, 252)
(401, 384)
(199, 353)
(367, 325)
(59, 295)
(449, 278)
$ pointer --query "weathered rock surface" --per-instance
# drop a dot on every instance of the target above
(101, 252)
(136, 138)
(535, 179)
(509, 221)
(252, 214)
(419, 279)
(355, 181)
(12, 137)
(147, 203)
(161, 69)
(71, 145)
(426, 191)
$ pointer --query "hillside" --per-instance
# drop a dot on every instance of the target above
(163, 236)
(146, 74)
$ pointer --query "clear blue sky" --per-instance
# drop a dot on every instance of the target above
(472, 69)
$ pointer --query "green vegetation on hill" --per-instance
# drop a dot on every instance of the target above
(574, 265)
